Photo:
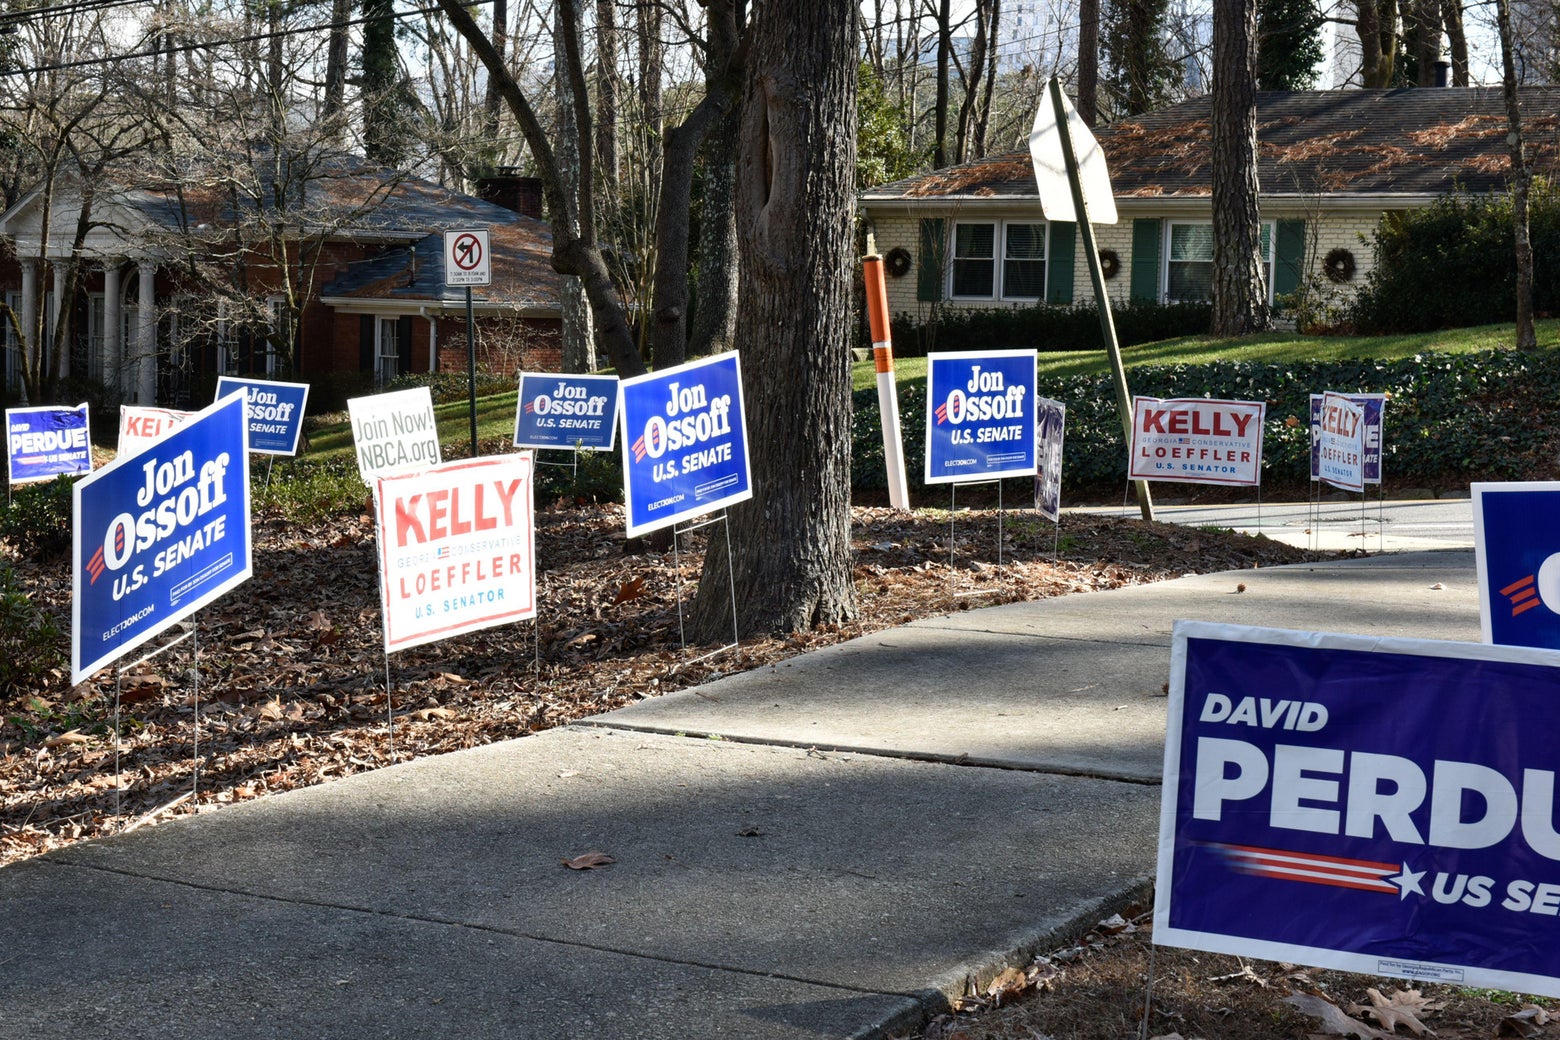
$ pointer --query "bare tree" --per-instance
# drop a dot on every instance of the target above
(1379, 31)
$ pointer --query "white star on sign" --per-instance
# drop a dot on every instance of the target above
(1408, 881)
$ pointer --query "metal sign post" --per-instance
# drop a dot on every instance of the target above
(1092, 181)
(467, 262)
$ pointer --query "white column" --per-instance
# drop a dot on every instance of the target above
(116, 369)
(30, 309)
(146, 334)
(57, 271)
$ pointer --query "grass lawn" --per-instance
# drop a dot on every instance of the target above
(1268, 347)
(332, 435)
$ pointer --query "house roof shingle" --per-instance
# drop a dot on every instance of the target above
(1361, 142)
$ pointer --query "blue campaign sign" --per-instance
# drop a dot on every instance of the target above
(1375, 407)
(275, 412)
(1376, 805)
(158, 535)
(1516, 528)
(565, 411)
(980, 415)
(42, 443)
(685, 449)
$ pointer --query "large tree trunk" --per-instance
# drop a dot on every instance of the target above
(607, 91)
(1377, 28)
(1089, 60)
(791, 552)
(1527, 336)
(1239, 288)
(940, 111)
(1456, 40)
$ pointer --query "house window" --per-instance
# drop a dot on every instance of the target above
(387, 351)
(1189, 262)
(974, 274)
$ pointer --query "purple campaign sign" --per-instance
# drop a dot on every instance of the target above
(43, 443)
(1383, 806)
(1374, 405)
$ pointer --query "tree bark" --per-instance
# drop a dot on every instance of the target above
(715, 312)
(1527, 336)
(579, 348)
(1088, 60)
(1239, 287)
(673, 223)
(493, 101)
(940, 109)
(791, 552)
(606, 90)
(1456, 41)
(1377, 28)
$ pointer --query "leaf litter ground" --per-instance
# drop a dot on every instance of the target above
(291, 683)
(291, 692)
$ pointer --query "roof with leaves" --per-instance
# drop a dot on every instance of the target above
(1354, 142)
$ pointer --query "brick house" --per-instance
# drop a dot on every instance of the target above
(367, 266)
(1331, 163)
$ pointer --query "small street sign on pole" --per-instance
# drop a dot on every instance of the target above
(468, 262)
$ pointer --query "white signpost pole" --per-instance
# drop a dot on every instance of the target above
(1051, 147)
(468, 262)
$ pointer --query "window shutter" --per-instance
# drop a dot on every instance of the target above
(1059, 262)
(366, 343)
(1288, 256)
(403, 343)
(929, 260)
(1146, 235)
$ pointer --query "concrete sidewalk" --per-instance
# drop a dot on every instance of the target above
(878, 823)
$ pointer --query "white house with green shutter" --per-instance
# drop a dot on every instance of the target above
(1331, 163)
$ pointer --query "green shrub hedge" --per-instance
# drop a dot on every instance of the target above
(1450, 419)
(1047, 328)
(1452, 265)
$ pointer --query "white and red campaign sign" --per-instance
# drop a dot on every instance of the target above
(1341, 442)
(1196, 440)
(140, 427)
(457, 547)
(1362, 803)
(394, 433)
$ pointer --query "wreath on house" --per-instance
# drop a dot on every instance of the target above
(1110, 263)
(1339, 265)
(898, 261)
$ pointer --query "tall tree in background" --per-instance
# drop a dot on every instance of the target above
(940, 106)
(575, 173)
(1289, 44)
(1527, 337)
(1377, 26)
(791, 552)
(1239, 288)
(576, 253)
(388, 107)
(1089, 61)
(1143, 71)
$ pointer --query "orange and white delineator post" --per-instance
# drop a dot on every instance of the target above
(888, 391)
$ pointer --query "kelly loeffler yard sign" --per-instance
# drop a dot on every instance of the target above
(980, 416)
(141, 426)
(685, 449)
(394, 433)
(457, 549)
(1340, 442)
(158, 535)
(1373, 407)
(1197, 440)
(1369, 804)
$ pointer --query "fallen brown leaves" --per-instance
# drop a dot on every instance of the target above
(290, 689)
(1098, 988)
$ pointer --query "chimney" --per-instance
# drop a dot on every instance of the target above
(1443, 69)
(509, 189)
